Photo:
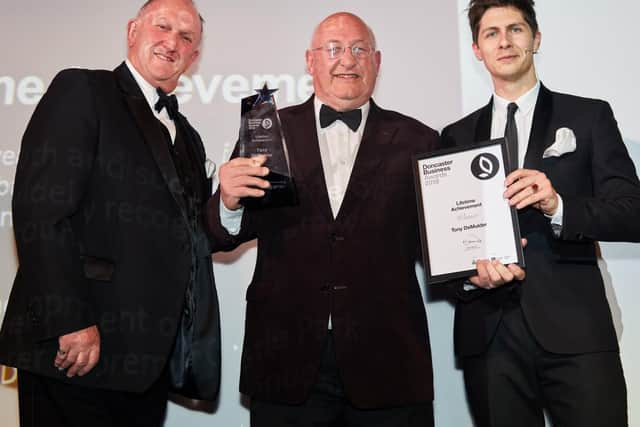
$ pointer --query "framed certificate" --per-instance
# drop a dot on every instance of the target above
(463, 214)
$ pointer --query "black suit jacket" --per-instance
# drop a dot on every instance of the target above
(101, 232)
(562, 296)
(358, 267)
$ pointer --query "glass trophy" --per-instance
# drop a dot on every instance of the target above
(261, 134)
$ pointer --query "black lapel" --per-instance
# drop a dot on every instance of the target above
(378, 134)
(197, 156)
(153, 135)
(539, 137)
(483, 125)
(301, 137)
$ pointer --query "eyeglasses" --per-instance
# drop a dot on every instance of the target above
(335, 50)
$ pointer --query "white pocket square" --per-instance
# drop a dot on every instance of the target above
(209, 167)
(565, 143)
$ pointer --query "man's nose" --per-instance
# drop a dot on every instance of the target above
(347, 59)
(171, 40)
(505, 39)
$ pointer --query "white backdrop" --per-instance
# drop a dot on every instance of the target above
(428, 71)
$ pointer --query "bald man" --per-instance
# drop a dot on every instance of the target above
(114, 256)
(336, 331)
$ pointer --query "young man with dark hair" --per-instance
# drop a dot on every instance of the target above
(544, 339)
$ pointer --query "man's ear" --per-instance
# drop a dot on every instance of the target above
(308, 57)
(537, 39)
(476, 51)
(194, 57)
(132, 31)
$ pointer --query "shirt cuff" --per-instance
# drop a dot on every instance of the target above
(231, 220)
(468, 286)
(556, 218)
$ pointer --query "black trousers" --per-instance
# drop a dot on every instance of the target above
(48, 402)
(515, 379)
(327, 406)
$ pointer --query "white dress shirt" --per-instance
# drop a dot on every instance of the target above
(524, 119)
(151, 96)
(338, 150)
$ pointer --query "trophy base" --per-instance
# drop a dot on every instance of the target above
(282, 193)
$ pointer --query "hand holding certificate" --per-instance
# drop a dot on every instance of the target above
(464, 216)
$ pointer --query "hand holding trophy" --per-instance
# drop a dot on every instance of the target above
(261, 135)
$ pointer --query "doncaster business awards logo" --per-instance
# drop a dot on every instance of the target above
(267, 124)
(485, 166)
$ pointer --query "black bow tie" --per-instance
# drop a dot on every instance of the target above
(351, 118)
(167, 101)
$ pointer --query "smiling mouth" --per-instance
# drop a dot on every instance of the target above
(164, 57)
(347, 76)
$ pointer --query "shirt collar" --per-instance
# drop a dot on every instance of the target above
(148, 90)
(365, 112)
(526, 102)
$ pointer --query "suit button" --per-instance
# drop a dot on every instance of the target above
(33, 318)
(336, 237)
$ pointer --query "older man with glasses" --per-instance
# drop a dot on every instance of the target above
(336, 330)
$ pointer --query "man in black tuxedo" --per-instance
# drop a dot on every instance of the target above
(109, 194)
(547, 340)
(336, 331)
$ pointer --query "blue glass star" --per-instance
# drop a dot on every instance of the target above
(264, 95)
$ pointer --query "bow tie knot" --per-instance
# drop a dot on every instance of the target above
(170, 102)
(351, 118)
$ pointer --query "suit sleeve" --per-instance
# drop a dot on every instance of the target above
(219, 234)
(611, 213)
(53, 173)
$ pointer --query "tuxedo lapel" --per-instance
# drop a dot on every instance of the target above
(377, 136)
(153, 136)
(539, 138)
(483, 125)
(304, 153)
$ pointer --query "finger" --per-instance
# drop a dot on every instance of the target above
(60, 357)
(505, 273)
(517, 175)
(483, 275)
(249, 181)
(494, 276)
(517, 271)
(94, 356)
(230, 174)
(71, 358)
(243, 191)
(244, 161)
(249, 192)
(519, 186)
(539, 191)
(531, 199)
(245, 187)
(528, 196)
(80, 363)
(259, 160)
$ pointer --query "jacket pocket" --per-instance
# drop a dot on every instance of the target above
(98, 268)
